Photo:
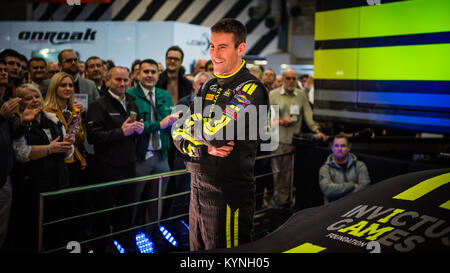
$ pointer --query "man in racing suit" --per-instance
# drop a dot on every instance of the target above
(222, 152)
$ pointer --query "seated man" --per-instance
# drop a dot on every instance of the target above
(342, 173)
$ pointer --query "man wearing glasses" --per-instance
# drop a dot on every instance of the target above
(68, 62)
(172, 78)
(294, 108)
(342, 173)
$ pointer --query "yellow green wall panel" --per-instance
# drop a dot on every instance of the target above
(398, 18)
(336, 64)
(414, 62)
(337, 24)
(405, 17)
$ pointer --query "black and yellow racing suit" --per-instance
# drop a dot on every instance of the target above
(222, 189)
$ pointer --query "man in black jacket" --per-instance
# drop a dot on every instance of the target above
(114, 136)
(111, 131)
(223, 157)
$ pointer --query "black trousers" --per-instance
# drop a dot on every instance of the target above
(219, 216)
(113, 197)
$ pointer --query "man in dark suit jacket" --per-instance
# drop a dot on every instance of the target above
(114, 136)
(68, 62)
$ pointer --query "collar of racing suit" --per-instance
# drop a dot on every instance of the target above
(222, 80)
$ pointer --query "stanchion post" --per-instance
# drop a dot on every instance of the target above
(41, 223)
(159, 199)
(292, 179)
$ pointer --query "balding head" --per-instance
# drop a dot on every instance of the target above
(200, 66)
(117, 80)
(289, 80)
(52, 69)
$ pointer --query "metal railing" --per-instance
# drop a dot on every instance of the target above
(143, 179)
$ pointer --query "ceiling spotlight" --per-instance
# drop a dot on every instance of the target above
(271, 22)
(257, 12)
(293, 8)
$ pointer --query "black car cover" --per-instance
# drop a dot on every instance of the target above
(406, 213)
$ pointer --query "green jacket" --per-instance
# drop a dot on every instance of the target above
(164, 107)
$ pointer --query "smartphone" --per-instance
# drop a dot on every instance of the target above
(133, 116)
(74, 124)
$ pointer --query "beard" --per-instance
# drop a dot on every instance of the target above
(72, 70)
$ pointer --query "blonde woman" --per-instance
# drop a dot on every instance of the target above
(41, 153)
(45, 141)
(60, 101)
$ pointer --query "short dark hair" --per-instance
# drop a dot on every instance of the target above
(110, 64)
(340, 136)
(37, 59)
(230, 25)
(60, 60)
(175, 48)
(93, 58)
(137, 61)
(150, 61)
(303, 76)
(9, 52)
(23, 58)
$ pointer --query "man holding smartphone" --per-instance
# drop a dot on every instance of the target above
(114, 137)
(154, 107)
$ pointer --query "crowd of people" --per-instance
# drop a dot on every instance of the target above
(74, 123)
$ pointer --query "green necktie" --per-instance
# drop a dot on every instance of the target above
(153, 136)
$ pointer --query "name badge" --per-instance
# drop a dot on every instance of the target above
(295, 110)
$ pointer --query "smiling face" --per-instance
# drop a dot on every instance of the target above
(38, 70)
(65, 89)
(173, 60)
(226, 57)
(117, 81)
(148, 75)
(31, 97)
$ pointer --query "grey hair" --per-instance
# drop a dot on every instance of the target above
(108, 75)
(198, 75)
